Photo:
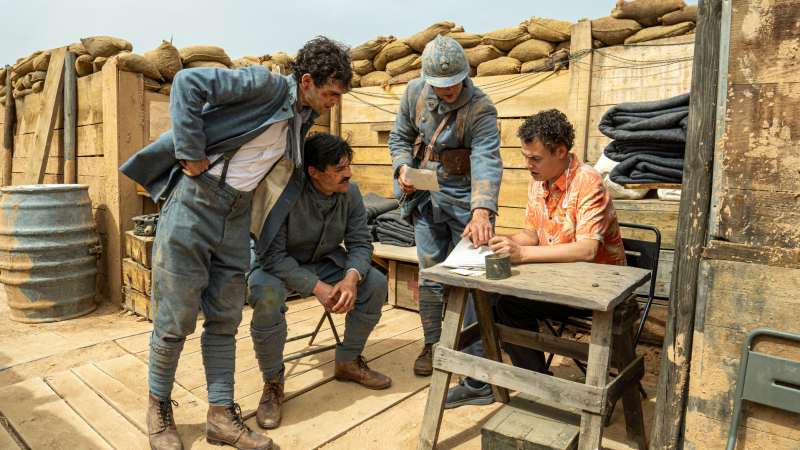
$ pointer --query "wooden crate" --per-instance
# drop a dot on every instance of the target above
(140, 248)
(530, 423)
(407, 286)
(136, 276)
(137, 302)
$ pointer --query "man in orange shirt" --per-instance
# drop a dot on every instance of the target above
(570, 217)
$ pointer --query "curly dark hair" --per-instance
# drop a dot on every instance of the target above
(550, 127)
(323, 58)
(322, 150)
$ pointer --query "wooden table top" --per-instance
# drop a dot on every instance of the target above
(407, 254)
(570, 284)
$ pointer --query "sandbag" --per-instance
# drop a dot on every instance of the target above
(604, 166)
(507, 38)
(375, 78)
(253, 59)
(482, 53)
(669, 195)
(370, 49)
(25, 66)
(356, 80)
(550, 29)
(2, 90)
(239, 63)
(613, 31)
(39, 75)
(194, 64)
(692, 31)
(131, 62)
(456, 30)
(500, 66)
(646, 12)
(473, 72)
(532, 50)
(3, 74)
(42, 62)
(3, 100)
(597, 44)
(403, 77)
(38, 86)
(84, 66)
(26, 81)
(563, 46)
(419, 40)
(151, 84)
(22, 93)
(278, 58)
(362, 67)
(194, 53)
(165, 89)
(390, 52)
(404, 64)
(19, 85)
(545, 63)
(98, 63)
(105, 45)
(166, 58)
(662, 32)
(687, 14)
(78, 49)
(467, 40)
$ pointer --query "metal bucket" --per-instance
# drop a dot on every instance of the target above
(48, 260)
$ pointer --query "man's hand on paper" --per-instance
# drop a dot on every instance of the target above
(405, 186)
(504, 244)
(345, 290)
(479, 230)
(194, 168)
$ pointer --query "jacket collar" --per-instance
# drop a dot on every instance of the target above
(434, 103)
(305, 113)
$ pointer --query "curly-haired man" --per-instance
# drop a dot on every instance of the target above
(231, 130)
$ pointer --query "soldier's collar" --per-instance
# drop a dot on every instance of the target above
(434, 103)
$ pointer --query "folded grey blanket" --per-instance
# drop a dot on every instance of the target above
(645, 168)
(393, 230)
(377, 205)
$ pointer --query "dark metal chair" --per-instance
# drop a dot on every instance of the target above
(641, 254)
(314, 336)
(765, 379)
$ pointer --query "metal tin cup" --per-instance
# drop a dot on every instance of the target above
(498, 266)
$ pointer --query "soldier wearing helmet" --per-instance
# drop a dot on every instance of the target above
(446, 124)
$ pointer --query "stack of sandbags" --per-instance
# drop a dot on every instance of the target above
(532, 46)
(279, 59)
(93, 52)
(645, 20)
(167, 59)
(204, 56)
(3, 75)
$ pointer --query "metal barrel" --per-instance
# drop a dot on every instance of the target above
(48, 260)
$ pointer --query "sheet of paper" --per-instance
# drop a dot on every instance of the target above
(464, 256)
(422, 179)
(468, 273)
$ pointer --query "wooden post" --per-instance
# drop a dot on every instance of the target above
(51, 108)
(580, 86)
(70, 117)
(336, 120)
(123, 136)
(673, 382)
(8, 130)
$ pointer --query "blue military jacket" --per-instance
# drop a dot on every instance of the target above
(460, 193)
(313, 231)
(215, 110)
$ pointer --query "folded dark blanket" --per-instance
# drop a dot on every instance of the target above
(373, 230)
(644, 168)
(661, 120)
(388, 240)
(400, 231)
(621, 150)
(377, 205)
(393, 230)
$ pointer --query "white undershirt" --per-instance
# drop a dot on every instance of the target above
(249, 165)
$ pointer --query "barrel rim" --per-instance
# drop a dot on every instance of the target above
(38, 188)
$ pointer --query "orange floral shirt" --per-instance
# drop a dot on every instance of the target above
(588, 214)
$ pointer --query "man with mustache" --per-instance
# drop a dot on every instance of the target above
(306, 257)
(230, 166)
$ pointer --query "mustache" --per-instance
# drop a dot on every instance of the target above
(344, 181)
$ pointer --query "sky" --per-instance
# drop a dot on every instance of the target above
(250, 27)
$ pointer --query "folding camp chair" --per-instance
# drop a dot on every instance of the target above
(313, 336)
(765, 379)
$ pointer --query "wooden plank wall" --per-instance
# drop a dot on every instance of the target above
(90, 162)
(752, 278)
(632, 74)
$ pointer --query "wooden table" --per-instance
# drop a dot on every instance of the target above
(598, 287)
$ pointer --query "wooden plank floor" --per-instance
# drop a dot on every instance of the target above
(103, 405)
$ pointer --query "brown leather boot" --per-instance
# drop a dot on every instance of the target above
(270, 406)
(224, 426)
(161, 430)
(358, 371)
(424, 363)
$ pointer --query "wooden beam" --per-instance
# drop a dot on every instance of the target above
(545, 342)
(673, 383)
(770, 256)
(392, 276)
(627, 387)
(336, 120)
(632, 373)
(70, 118)
(653, 186)
(580, 86)
(488, 329)
(469, 336)
(381, 126)
(51, 109)
(596, 375)
(8, 130)
(123, 126)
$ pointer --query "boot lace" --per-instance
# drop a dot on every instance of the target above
(362, 363)
(273, 390)
(165, 417)
(427, 350)
(235, 414)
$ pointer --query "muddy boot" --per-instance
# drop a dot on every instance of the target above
(161, 430)
(224, 426)
(269, 407)
(358, 371)
(424, 363)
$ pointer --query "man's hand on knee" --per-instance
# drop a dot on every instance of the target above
(323, 292)
(346, 289)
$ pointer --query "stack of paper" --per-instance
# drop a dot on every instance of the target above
(464, 256)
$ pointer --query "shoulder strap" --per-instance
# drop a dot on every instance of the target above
(461, 123)
(420, 107)
(433, 140)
